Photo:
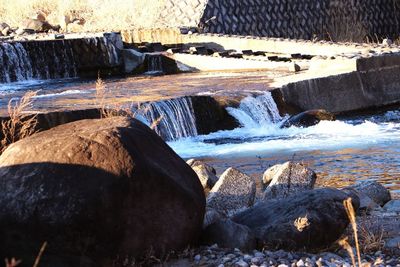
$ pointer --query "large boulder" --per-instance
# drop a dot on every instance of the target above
(374, 190)
(308, 118)
(205, 172)
(288, 178)
(233, 192)
(308, 220)
(97, 189)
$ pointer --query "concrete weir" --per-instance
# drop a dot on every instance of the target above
(66, 57)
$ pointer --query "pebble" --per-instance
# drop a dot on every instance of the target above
(215, 256)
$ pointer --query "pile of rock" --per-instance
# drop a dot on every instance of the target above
(41, 23)
(290, 215)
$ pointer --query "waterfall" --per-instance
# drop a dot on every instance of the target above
(15, 64)
(175, 118)
(36, 60)
(255, 111)
(155, 65)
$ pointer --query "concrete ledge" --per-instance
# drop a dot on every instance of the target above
(345, 92)
(209, 63)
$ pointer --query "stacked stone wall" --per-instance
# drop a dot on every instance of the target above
(339, 20)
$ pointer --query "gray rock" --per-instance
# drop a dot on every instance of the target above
(392, 206)
(195, 162)
(393, 245)
(270, 173)
(308, 220)
(377, 192)
(132, 59)
(205, 172)
(288, 178)
(387, 42)
(233, 192)
(211, 217)
(366, 203)
(229, 234)
(5, 29)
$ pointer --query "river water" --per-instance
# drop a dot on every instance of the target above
(342, 152)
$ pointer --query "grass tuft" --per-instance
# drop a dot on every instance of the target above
(20, 125)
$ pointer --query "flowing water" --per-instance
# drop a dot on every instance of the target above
(49, 62)
(342, 152)
(345, 151)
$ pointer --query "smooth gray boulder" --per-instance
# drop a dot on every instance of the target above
(233, 192)
(392, 206)
(308, 220)
(288, 178)
(228, 234)
(205, 172)
(374, 190)
(132, 59)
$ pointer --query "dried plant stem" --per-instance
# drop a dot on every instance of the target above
(352, 217)
(19, 125)
(345, 244)
(39, 256)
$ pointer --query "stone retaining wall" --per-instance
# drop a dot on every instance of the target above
(300, 19)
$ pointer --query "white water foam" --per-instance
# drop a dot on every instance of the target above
(261, 133)
(64, 93)
(327, 135)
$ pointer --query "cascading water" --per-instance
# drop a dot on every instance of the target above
(36, 60)
(256, 111)
(15, 64)
(175, 118)
(154, 64)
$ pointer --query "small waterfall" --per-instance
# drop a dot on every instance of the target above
(154, 63)
(256, 111)
(36, 60)
(175, 118)
(15, 64)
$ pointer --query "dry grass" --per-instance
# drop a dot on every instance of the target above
(371, 238)
(100, 15)
(102, 94)
(12, 263)
(20, 125)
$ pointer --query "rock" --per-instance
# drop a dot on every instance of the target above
(393, 245)
(308, 118)
(366, 203)
(195, 162)
(392, 206)
(111, 185)
(269, 174)
(64, 20)
(374, 190)
(211, 217)
(387, 42)
(75, 27)
(288, 178)
(233, 191)
(205, 172)
(5, 29)
(132, 59)
(40, 16)
(309, 220)
(36, 25)
(228, 234)
(293, 67)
